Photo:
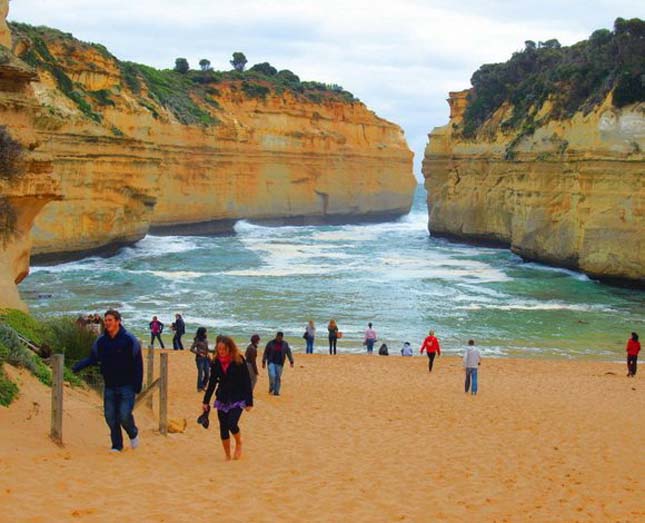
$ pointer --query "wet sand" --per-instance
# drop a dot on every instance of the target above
(351, 438)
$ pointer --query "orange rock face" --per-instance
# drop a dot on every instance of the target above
(573, 193)
(132, 166)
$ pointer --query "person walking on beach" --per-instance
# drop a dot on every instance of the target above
(156, 328)
(310, 335)
(431, 347)
(251, 356)
(275, 352)
(118, 353)
(370, 338)
(472, 361)
(180, 330)
(333, 336)
(234, 393)
(200, 349)
(633, 348)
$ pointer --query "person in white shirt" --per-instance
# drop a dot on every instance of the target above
(472, 360)
(370, 338)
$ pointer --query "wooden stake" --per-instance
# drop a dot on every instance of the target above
(163, 395)
(56, 432)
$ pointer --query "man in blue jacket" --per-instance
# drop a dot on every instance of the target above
(119, 355)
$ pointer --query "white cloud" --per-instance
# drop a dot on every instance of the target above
(401, 58)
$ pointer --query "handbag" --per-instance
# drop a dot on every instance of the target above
(305, 336)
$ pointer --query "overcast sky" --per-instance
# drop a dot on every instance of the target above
(400, 57)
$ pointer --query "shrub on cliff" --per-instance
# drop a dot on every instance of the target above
(10, 155)
(575, 78)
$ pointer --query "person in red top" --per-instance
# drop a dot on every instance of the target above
(432, 348)
(633, 348)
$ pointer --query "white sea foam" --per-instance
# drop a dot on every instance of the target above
(540, 267)
(172, 275)
(538, 306)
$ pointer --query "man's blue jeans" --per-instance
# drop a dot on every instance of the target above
(275, 373)
(203, 372)
(471, 379)
(118, 403)
(370, 345)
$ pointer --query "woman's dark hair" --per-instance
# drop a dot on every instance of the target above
(255, 338)
(200, 335)
(634, 336)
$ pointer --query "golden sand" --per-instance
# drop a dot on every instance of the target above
(351, 438)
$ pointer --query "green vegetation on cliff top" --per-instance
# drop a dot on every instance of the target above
(190, 95)
(575, 78)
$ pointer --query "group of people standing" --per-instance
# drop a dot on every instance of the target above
(156, 329)
(228, 374)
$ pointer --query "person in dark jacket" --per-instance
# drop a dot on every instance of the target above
(119, 355)
(275, 352)
(234, 393)
(200, 349)
(156, 328)
(180, 330)
(251, 356)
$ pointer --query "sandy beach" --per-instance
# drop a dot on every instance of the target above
(352, 438)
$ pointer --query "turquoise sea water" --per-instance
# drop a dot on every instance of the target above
(393, 274)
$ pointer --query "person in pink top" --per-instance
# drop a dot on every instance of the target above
(633, 348)
(431, 347)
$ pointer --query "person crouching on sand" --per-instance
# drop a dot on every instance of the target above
(234, 393)
(432, 348)
(472, 360)
(633, 348)
(275, 352)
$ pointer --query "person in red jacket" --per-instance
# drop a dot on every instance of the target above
(432, 348)
(633, 348)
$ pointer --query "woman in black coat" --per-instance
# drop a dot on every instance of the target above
(234, 393)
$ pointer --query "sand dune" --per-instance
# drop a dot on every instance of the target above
(351, 438)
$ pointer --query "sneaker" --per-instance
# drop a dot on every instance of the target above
(115, 450)
(134, 442)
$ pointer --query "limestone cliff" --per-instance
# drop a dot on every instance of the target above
(136, 149)
(545, 154)
(571, 194)
(26, 182)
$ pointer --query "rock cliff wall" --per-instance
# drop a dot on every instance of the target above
(126, 164)
(571, 194)
(26, 181)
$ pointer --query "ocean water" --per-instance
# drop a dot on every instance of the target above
(393, 274)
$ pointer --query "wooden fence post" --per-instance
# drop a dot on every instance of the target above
(150, 370)
(56, 432)
(163, 395)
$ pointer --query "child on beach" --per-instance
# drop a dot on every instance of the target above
(407, 349)
(234, 393)
(472, 360)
